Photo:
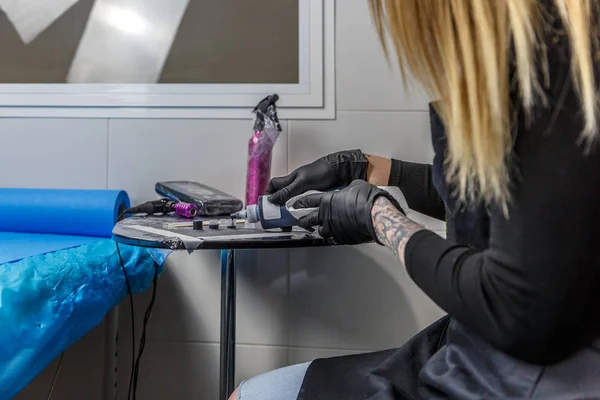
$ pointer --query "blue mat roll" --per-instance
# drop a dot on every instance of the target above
(39, 221)
(62, 212)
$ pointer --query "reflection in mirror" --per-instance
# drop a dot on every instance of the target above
(149, 41)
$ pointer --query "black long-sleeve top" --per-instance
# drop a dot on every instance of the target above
(416, 183)
(534, 292)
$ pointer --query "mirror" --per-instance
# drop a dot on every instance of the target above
(150, 41)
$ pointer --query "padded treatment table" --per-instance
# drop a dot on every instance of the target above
(60, 275)
(175, 233)
(51, 300)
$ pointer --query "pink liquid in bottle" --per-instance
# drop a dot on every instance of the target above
(260, 150)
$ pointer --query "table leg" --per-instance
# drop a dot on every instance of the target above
(227, 375)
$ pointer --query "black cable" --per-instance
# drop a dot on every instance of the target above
(130, 295)
(55, 375)
(135, 367)
(143, 337)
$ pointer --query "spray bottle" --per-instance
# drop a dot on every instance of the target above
(266, 131)
(272, 216)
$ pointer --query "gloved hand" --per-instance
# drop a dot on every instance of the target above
(330, 172)
(345, 215)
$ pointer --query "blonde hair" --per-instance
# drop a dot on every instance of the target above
(461, 52)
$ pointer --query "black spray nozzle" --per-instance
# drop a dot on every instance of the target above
(267, 102)
(265, 111)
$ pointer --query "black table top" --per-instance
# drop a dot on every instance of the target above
(176, 233)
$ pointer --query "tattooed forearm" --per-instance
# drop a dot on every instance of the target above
(393, 228)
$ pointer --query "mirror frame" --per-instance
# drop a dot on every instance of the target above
(312, 98)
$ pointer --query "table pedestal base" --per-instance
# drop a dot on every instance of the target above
(228, 296)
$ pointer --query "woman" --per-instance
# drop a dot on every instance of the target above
(517, 167)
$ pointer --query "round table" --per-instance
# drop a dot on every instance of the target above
(176, 233)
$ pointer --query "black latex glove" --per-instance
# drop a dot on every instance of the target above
(345, 215)
(330, 172)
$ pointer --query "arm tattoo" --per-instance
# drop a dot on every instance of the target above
(393, 228)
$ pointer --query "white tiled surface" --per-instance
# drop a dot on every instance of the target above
(354, 298)
(403, 135)
(365, 80)
(82, 372)
(263, 297)
(53, 153)
(143, 152)
(300, 355)
(188, 299)
(40, 387)
(177, 370)
(98, 332)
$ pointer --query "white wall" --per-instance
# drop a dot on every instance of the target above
(293, 306)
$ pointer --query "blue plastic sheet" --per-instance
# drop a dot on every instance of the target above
(49, 301)
(16, 246)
